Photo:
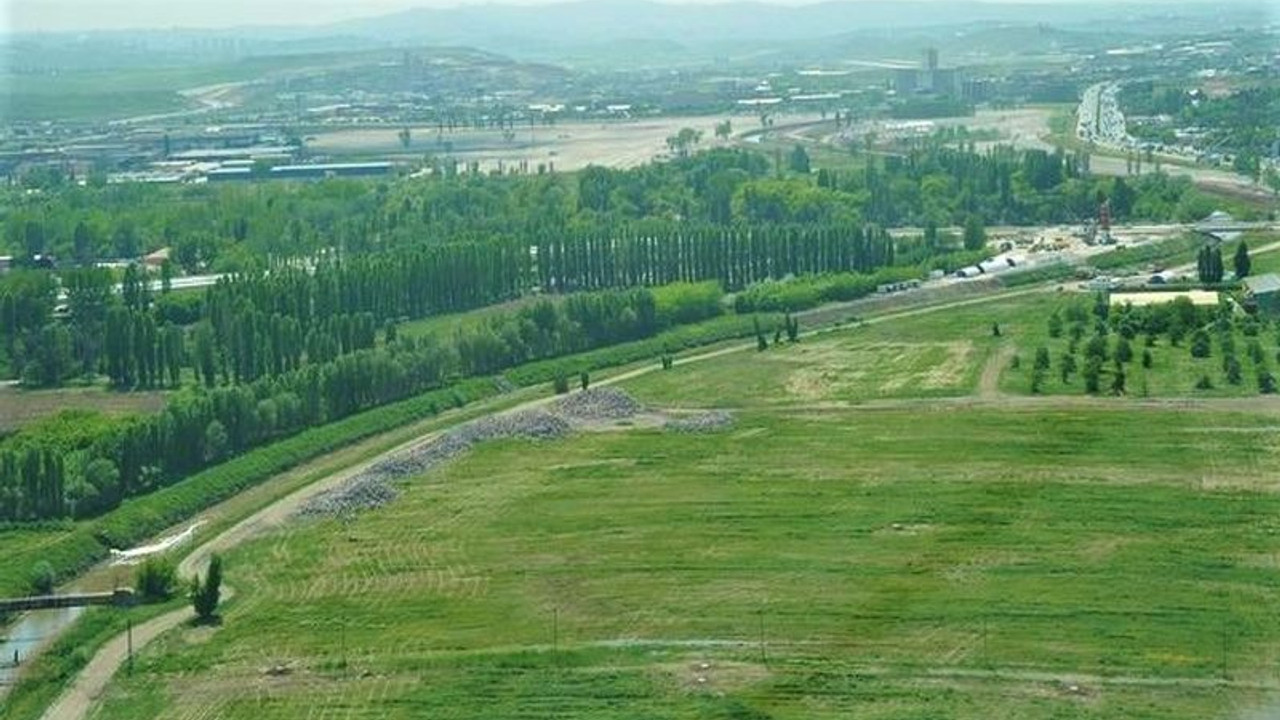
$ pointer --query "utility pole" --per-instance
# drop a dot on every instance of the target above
(129, 635)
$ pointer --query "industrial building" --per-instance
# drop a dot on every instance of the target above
(928, 79)
(1263, 293)
(318, 171)
(321, 171)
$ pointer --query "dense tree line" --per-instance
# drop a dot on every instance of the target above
(320, 265)
(736, 256)
(1235, 124)
(263, 324)
(291, 341)
(51, 470)
(230, 228)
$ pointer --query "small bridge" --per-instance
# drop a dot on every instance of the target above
(119, 597)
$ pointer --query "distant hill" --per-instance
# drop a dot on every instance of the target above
(516, 28)
(643, 33)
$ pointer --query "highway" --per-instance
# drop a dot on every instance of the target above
(1100, 122)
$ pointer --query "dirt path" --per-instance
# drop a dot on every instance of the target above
(78, 698)
(989, 382)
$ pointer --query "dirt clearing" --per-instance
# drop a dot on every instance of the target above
(566, 146)
(20, 407)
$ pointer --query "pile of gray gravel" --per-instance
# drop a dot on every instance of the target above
(602, 403)
(373, 486)
(361, 492)
(704, 422)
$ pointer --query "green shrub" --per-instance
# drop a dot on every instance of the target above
(684, 303)
(155, 580)
(560, 384)
(1266, 383)
(811, 290)
(43, 578)
(1042, 358)
(1200, 346)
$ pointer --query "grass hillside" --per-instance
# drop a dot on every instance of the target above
(885, 532)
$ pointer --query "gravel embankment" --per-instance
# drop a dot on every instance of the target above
(594, 404)
(375, 486)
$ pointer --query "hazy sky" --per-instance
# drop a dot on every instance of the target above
(28, 15)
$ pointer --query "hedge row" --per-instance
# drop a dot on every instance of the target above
(807, 292)
(1048, 273)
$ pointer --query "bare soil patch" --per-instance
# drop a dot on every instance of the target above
(19, 407)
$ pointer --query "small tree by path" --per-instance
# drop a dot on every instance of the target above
(205, 595)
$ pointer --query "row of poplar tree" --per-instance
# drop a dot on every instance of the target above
(264, 324)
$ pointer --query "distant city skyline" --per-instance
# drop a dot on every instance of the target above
(88, 15)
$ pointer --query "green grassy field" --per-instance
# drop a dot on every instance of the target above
(885, 555)
(1265, 262)
(446, 325)
(916, 558)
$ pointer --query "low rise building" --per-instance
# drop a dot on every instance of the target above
(1263, 292)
